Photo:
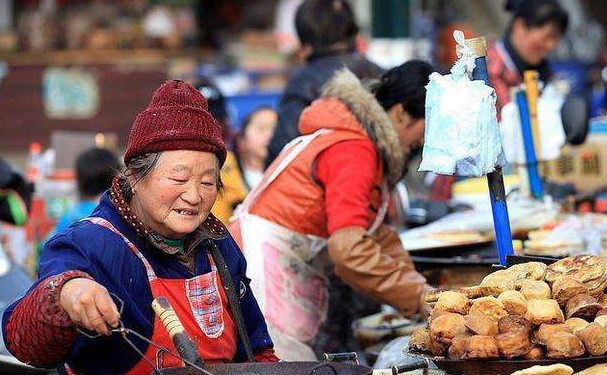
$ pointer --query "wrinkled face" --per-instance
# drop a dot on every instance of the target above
(536, 42)
(177, 195)
(410, 130)
(258, 134)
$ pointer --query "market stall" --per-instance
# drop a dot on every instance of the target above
(456, 253)
(525, 315)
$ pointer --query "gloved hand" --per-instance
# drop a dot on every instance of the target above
(425, 310)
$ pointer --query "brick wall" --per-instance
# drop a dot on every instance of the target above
(123, 92)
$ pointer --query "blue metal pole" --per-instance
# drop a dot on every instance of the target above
(497, 192)
(535, 183)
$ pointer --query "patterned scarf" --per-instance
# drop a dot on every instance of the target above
(212, 228)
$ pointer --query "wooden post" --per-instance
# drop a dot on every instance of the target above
(531, 87)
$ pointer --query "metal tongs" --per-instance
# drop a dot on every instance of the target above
(188, 352)
(124, 332)
(394, 370)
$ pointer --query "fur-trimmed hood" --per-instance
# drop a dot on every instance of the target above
(362, 114)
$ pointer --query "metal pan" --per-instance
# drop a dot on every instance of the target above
(297, 368)
(505, 366)
(294, 368)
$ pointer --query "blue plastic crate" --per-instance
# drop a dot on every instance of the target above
(598, 126)
(239, 106)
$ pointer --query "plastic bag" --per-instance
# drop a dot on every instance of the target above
(462, 135)
(552, 135)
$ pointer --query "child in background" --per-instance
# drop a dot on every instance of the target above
(233, 189)
(95, 169)
(252, 143)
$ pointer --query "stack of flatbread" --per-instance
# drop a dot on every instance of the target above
(543, 243)
(587, 269)
(456, 237)
(560, 369)
(599, 221)
(557, 369)
(594, 370)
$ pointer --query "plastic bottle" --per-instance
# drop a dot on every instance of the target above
(34, 163)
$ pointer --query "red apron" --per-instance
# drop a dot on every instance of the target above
(200, 303)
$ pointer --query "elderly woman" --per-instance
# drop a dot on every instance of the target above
(151, 235)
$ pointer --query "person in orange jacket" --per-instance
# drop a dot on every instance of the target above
(329, 189)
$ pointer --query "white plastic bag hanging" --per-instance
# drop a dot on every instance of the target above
(552, 135)
(462, 135)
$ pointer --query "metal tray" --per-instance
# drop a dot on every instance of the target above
(504, 366)
(278, 368)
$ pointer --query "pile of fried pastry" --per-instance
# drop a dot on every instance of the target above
(527, 311)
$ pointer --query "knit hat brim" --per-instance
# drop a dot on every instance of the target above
(175, 128)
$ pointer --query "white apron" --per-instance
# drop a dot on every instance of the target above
(292, 293)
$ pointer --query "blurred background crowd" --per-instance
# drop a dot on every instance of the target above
(74, 73)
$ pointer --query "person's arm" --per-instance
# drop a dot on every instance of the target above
(261, 342)
(40, 328)
(266, 355)
(378, 265)
(375, 264)
(37, 330)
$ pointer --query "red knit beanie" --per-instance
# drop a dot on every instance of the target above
(176, 119)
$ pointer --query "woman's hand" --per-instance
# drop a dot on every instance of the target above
(425, 309)
(89, 305)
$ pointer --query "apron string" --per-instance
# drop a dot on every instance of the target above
(383, 210)
(233, 301)
(106, 224)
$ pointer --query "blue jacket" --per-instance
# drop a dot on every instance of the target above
(305, 86)
(77, 212)
(104, 255)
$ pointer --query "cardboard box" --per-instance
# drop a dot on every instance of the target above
(585, 166)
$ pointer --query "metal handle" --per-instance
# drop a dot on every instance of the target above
(410, 367)
(395, 370)
(184, 344)
(341, 357)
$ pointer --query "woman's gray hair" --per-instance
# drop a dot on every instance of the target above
(138, 168)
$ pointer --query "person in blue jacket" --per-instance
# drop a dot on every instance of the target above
(327, 31)
(95, 169)
(150, 236)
